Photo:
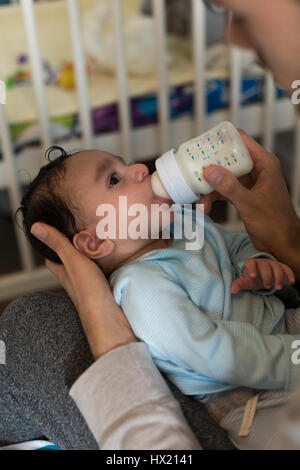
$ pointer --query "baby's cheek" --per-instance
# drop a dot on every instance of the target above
(133, 224)
(139, 222)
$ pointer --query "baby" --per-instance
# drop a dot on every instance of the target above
(208, 316)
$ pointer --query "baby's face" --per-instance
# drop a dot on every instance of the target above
(96, 177)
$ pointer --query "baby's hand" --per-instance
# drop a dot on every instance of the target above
(262, 273)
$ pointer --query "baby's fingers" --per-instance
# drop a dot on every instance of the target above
(289, 275)
(238, 285)
(281, 274)
(266, 273)
(250, 267)
(278, 275)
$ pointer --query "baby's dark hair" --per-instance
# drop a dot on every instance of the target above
(45, 201)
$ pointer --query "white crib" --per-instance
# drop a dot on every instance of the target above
(263, 119)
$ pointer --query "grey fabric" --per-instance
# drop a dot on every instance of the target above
(46, 351)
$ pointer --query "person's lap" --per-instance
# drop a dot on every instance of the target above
(266, 429)
(46, 351)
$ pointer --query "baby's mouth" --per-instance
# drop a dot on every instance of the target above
(158, 199)
(162, 200)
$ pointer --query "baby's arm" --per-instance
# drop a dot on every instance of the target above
(185, 342)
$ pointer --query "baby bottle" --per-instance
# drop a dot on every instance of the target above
(178, 174)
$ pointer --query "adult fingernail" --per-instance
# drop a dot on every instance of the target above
(213, 176)
(39, 231)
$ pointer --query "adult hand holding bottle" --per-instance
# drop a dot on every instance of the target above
(263, 202)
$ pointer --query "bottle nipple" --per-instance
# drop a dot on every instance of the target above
(158, 187)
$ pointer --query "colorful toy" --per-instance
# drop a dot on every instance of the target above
(67, 78)
(9, 82)
(23, 73)
(22, 76)
(22, 59)
(50, 74)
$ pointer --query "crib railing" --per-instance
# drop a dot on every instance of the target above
(36, 278)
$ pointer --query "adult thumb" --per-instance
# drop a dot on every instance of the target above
(226, 184)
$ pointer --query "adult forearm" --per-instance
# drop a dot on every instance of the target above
(288, 250)
(106, 329)
(128, 405)
(293, 260)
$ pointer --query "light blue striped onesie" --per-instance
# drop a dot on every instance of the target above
(204, 338)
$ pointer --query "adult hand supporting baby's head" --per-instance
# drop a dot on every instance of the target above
(263, 202)
(103, 321)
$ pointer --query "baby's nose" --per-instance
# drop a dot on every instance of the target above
(140, 171)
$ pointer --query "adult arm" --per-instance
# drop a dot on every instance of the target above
(128, 405)
(123, 398)
(263, 202)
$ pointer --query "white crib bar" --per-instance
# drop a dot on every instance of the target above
(80, 70)
(37, 72)
(199, 56)
(235, 84)
(268, 137)
(235, 93)
(21, 282)
(162, 73)
(14, 190)
(124, 103)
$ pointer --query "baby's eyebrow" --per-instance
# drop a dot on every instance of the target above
(105, 164)
(121, 159)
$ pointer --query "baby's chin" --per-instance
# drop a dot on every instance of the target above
(166, 223)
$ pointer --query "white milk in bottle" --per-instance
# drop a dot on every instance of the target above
(178, 174)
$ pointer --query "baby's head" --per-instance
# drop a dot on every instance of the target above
(66, 193)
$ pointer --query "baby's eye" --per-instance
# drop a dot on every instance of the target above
(114, 178)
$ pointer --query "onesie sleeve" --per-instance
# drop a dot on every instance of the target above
(184, 341)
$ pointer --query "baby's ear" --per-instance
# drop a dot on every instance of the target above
(90, 245)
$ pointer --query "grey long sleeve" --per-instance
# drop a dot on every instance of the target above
(127, 404)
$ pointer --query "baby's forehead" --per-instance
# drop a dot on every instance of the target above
(84, 166)
(91, 156)
(81, 169)
(85, 161)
